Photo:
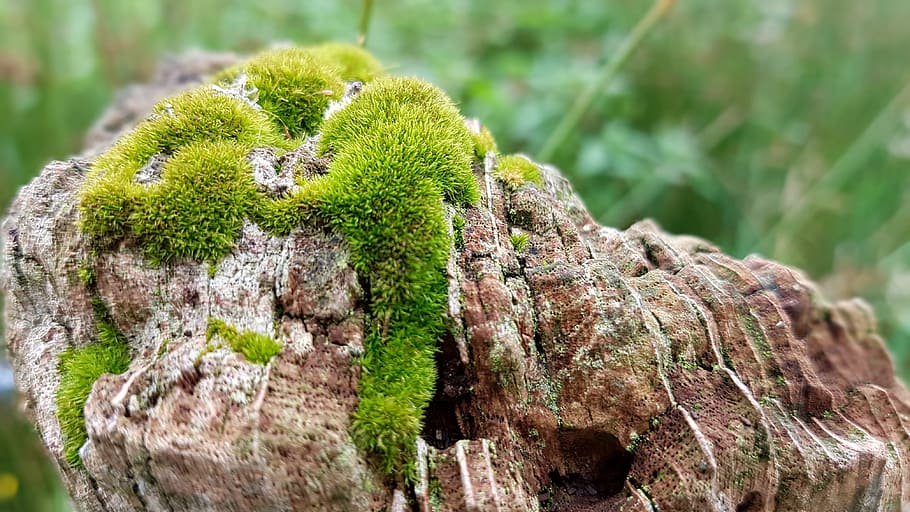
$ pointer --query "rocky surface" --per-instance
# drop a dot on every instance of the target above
(592, 370)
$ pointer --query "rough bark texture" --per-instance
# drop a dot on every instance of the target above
(594, 369)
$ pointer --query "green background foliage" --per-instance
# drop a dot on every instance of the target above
(773, 126)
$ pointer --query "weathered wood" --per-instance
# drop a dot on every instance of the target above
(593, 369)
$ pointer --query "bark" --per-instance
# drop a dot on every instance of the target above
(593, 369)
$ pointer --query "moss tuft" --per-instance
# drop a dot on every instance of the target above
(295, 86)
(420, 124)
(519, 241)
(195, 129)
(256, 348)
(399, 148)
(198, 208)
(484, 142)
(458, 223)
(516, 170)
(79, 369)
(354, 62)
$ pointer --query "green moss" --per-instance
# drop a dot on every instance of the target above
(458, 223)
(519, 241)
(256, 348)
(354, 62)
(516, 170)
(198, 208)
(203, 131)
(295, 86)
(399, 149)
(483, 142)
(79, 369)
(87, 275)
(419, 124)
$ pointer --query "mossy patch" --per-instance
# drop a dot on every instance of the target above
(354, 62)
(516, 170)
(398, 151)
(79, 369)
(256, 348)
(519, 241)
(483, 142)
(295, 86)
(205, 136)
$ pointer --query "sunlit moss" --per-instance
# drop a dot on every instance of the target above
(399, 149)
(113, 204)
(354, 62)
(256, 348)
(484, 142)
(295, 86)
(516, 170)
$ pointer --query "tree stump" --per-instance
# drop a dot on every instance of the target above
(582, 368)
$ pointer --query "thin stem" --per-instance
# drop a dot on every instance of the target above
(365, 14)
(573, 116)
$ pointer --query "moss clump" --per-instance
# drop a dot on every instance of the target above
(419, 124)
(355, 63)
(79, 369)
(200, 129)
(256, 348)
(295, 86)
(399, 149)
(198, 208)
(516, 170)
(484, 142)
(519, 241)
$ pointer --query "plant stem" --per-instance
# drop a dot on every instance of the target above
(570, 120)
(364, 22)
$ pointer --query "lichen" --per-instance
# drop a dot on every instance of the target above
(256, 348)
(516, 170)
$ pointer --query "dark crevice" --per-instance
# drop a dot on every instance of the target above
(443, 426)
(595, 468)
(752, 502)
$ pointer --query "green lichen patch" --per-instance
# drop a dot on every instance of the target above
(256, 348)
(484, 142)
(295, 86)
(516, 170)
(354, 62)
(79, 369)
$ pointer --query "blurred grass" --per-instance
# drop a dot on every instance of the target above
(772, 126)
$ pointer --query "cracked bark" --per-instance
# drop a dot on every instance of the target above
(596, 369)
